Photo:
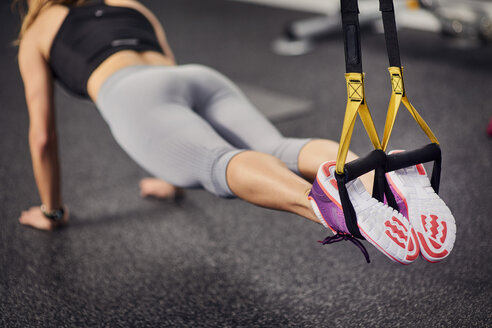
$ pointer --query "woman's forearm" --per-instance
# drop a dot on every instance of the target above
(46, 169)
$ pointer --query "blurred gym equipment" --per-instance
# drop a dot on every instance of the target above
(467, 24)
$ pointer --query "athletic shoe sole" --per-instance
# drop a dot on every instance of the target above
(380, 225)
(428, 214)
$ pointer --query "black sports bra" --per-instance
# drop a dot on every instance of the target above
(90, 34)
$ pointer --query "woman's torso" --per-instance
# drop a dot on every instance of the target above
(46, 29)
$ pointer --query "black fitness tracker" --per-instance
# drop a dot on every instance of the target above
(55, 215)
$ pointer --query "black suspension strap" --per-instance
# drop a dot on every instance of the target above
(356, 104)
(351, 33)
(390, 32)
(427, 153)
(377, 160)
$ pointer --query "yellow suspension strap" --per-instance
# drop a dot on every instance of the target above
(356, 105)
(431, 152)
(398, 96)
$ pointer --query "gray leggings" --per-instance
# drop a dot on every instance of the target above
(183, 124)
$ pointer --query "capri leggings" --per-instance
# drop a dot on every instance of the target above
(183, 124)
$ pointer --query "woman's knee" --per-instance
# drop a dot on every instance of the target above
(288, 150)
(214, 179)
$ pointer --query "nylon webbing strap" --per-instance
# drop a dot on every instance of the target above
(390, 33)
(356, 103)
(398, 94)
(351, 35)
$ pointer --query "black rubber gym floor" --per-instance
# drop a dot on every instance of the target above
(209, 262)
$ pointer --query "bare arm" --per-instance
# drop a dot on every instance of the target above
(38, 85)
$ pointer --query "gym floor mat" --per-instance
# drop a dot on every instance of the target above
(210, 262)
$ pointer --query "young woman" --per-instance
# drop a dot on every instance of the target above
(187, 125)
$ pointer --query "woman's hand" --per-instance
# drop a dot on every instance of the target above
(34, 217)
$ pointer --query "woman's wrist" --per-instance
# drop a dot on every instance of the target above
(56, 215)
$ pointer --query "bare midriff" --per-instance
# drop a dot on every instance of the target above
(121, 60)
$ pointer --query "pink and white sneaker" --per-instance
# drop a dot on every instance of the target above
(380, 225)
(428, 214)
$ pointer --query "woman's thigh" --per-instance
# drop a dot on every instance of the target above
(220, 102)
(151, 118)
(232, 115)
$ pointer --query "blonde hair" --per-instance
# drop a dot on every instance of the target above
(29, 15)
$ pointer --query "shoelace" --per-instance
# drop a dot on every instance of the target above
(342, 236)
